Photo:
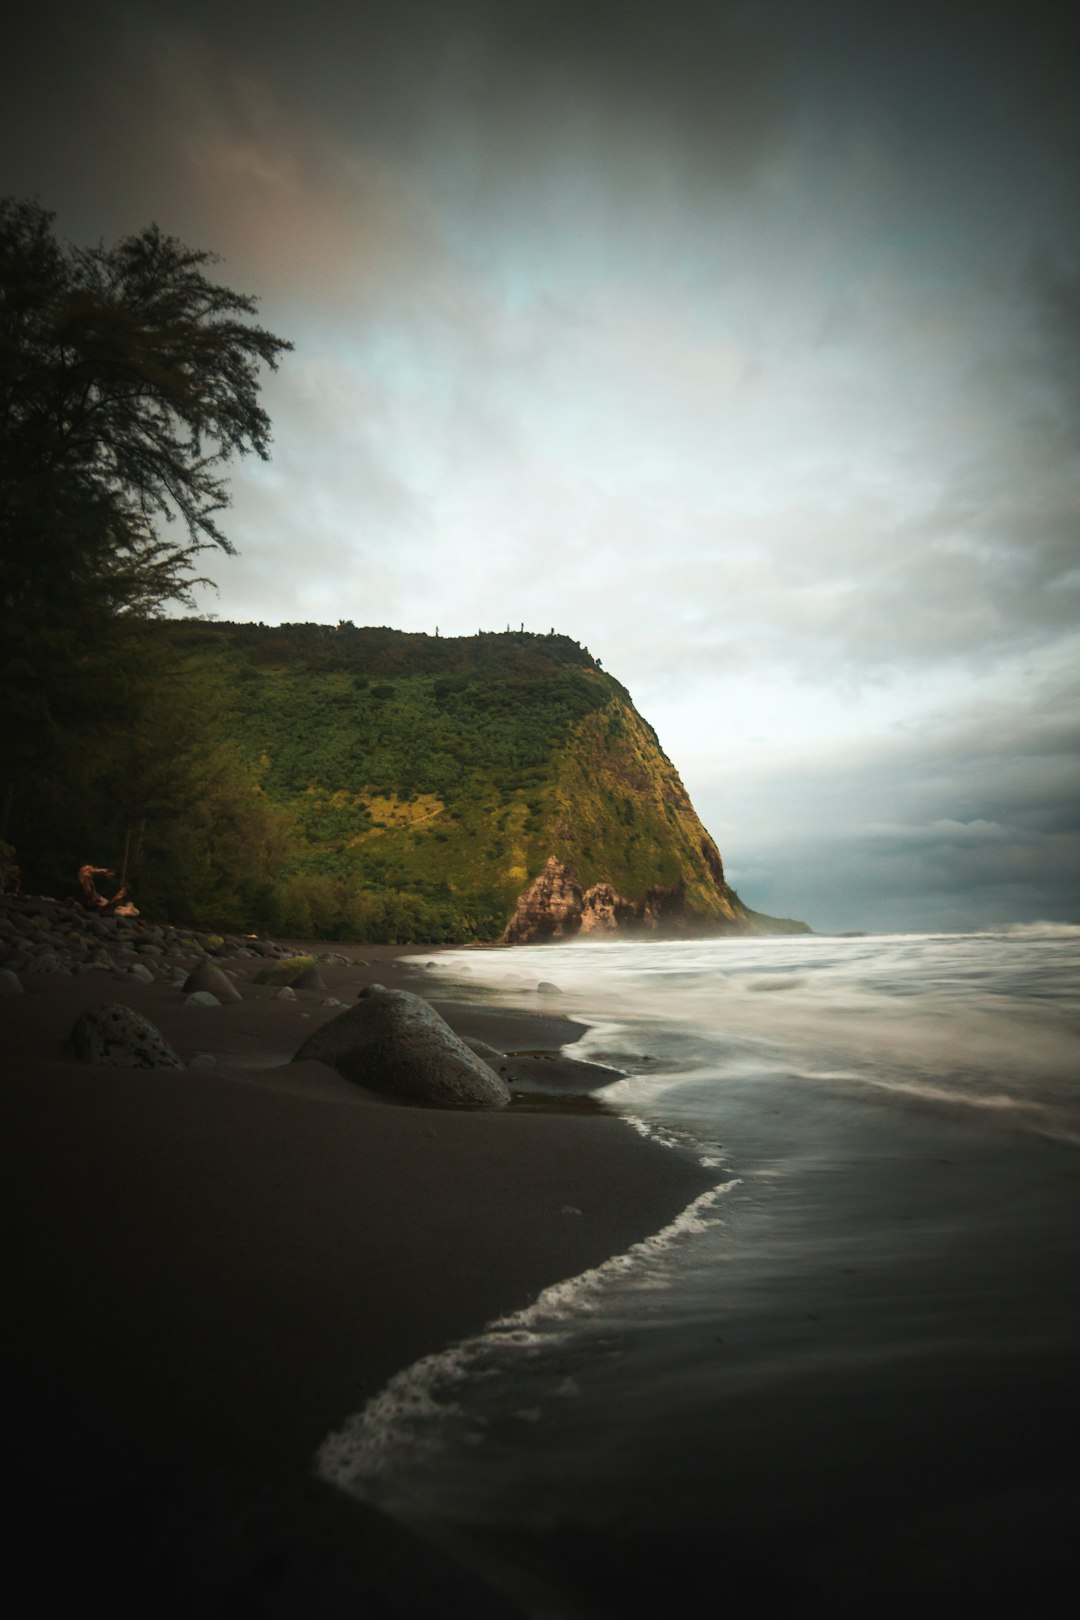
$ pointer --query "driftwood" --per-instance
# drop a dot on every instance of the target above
(93, 901)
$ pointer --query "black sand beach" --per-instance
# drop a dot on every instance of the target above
(210, 1268)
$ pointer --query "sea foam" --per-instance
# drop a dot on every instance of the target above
(408, 1420)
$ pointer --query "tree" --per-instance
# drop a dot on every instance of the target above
(128, 379)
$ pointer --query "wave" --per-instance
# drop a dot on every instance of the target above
(371, 1454)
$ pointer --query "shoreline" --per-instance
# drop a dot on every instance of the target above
(216, 1267)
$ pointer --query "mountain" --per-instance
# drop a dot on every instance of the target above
(476, 787)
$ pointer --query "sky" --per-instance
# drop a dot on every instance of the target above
(737, 341)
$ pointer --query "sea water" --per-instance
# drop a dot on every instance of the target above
(848, 1370)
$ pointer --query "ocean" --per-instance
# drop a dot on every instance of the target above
(848, 1372)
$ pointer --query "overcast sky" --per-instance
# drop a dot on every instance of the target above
(737, 341)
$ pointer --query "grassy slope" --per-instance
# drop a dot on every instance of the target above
(445, 771)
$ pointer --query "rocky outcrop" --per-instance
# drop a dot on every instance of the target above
(116, 1036)
(604, 911)
(554, 907)
(550, 908)
(395, 1042)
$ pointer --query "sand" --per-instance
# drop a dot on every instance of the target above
(209, 1269)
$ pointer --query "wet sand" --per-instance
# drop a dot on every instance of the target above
(209, 1269)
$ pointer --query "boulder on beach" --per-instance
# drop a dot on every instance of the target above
(118, 1037)
(208, 977)
(294, 972)
(395, 1042)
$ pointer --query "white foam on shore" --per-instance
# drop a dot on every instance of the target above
(406, 1421)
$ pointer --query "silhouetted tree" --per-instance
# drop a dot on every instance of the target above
(127, 379)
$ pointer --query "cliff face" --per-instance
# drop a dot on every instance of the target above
(481, 787)
(625, 850)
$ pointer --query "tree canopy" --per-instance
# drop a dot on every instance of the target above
(127, 379)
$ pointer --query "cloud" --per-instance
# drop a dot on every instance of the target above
(969, 816)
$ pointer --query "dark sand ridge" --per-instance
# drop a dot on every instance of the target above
(210, 1269)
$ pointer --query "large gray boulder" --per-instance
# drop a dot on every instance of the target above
(118, 1037)
(395, 1042)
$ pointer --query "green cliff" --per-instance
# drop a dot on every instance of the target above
(427, 783)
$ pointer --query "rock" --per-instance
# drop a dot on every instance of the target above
(332, 1001)
(488, 1054)
(604, 911)
(203, 1060)
(550, 908)
(554, 907)
(546, 988)
(395, 1042)
(46, 962)
(286, 993)
(138, 971)
(301, 972)
(118, 1037)
(210, 978)
(201, 998)
(10, 983)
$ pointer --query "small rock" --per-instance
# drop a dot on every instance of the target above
(119, 1037)
(488, 1054)
(203, 1060)
(210, 978)
(300, 972)
(136, 970)
(10, 983)
(201, 998)
(286, 993)
(546, 988)
(47, 962)
(332, 1001)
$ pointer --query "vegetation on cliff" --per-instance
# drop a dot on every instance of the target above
(369, 783)
(421, 783)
